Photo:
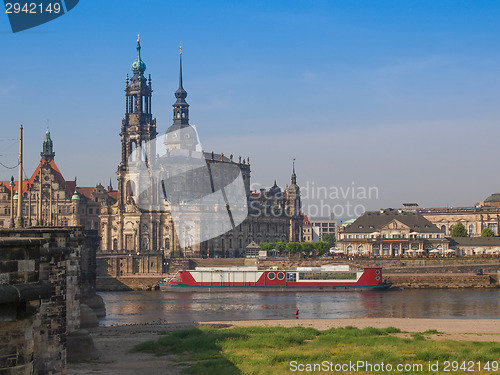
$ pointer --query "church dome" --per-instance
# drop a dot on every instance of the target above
(139, 65)
(180, 133)
(274, 190)
(75, 196)
(493, 198)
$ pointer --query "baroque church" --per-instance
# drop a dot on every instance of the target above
(130, 228)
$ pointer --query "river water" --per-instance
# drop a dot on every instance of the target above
(151, 307)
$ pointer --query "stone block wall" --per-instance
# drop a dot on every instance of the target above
(57, 266)
(20, 297)
(88, 264)
(436, 281)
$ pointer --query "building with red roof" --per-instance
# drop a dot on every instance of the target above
(56, 201)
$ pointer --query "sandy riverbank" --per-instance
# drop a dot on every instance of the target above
(115, 342)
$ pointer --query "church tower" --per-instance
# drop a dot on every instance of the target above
(293, 195)
(138, 126)
(293, 208)
(47, 153)
(180, 135)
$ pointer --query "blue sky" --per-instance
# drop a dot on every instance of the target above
(401, 95)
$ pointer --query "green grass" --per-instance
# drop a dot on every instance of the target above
(269, 350)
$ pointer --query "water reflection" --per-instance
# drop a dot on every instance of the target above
(148, 307)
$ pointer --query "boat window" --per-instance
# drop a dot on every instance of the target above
(281, 276)
(271, 275)
(328, 275)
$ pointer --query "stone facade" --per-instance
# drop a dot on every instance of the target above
(476, 246)
(391, 233)
(20, 299)
(40, 297)
(475, 218)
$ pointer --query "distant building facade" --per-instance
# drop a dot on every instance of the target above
(391, 232)
(50, 200)
(322, 226)
(475, 218)
(476, 246)
(308, 235)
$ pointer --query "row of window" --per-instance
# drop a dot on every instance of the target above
(324, 225)
(393, 236)
(395, 248)
(327, 275)
(472, 228)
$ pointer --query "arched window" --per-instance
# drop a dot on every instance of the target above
(130, 188)
(494, 228)
(167, 243)
(133, 151)
(385, 249)
(143, 151)
(376, 249)
(115, 244)
(349, 249)
(471, 230)
(443, 228)
(395, 248)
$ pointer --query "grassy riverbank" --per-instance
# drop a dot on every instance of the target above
(278, 350)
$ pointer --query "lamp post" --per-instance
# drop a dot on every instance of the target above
(29, 206)
(11, 224)
(19, 219)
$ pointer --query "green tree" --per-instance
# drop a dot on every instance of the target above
(308, 248)
(280, 247)
(487, 232)
(266, 245)
(459, 230)
(322, 247)
(330, 238)
(293, 247)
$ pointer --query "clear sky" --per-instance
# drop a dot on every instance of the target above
(398, 95)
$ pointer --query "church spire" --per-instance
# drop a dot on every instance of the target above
(180, 94)
(180, 135)
(138, 66)
(181, 107)
(180, 68)
(47, 153)
(294, 176)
